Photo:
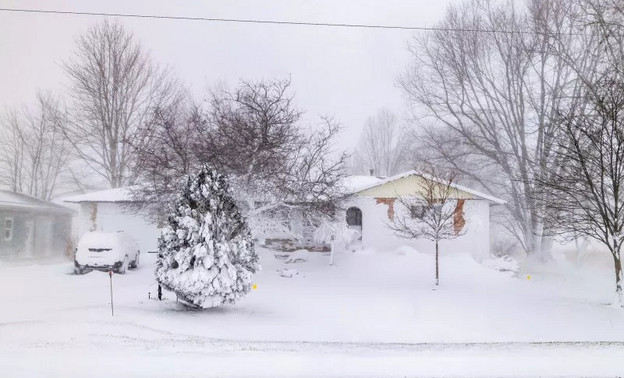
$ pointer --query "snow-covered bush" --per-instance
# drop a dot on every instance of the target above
(206, 252)
(288, 273)
(300, 255)
(502, 264)
(336, 233)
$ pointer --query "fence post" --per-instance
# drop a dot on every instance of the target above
(110, 274)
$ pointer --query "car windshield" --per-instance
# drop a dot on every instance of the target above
(99, 241)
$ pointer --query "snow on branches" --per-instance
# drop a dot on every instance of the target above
(206, 253)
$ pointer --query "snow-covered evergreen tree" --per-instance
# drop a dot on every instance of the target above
(206, 252)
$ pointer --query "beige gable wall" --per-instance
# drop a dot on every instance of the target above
(405, 187)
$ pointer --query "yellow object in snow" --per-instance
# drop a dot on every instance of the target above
(254, 286)
(528, 277)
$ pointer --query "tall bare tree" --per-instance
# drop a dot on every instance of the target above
(588, 191)
(252, 132)
(255, 135)
(432, 213)
(165, 151)
(491, 82)
(382, 146)
(34, 152)
(114, 84)
(12, 152)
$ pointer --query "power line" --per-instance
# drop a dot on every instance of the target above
(255, 21)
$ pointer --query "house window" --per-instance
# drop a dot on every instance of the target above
(417, 211)
(8, 229)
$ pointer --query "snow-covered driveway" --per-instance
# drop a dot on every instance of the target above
(369, 315)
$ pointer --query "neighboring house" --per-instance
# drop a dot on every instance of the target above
(373, 202)
(31, 228)
(111, 211)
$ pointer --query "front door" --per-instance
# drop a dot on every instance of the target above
(43, 235)
(354, 220)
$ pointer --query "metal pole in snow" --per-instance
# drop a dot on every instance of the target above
(110, 274)
(332, 246)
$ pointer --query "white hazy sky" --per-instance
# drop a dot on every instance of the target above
(346, 73)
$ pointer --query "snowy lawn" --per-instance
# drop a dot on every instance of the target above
(370, 314)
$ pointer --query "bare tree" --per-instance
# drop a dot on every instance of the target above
(313, 172)
(381, 146)
(433, 212)
(34, 152)
(164, 151)
(588, 191)
(491, 82)
(252, 130)
(114, 84)
(590, 187)
(12, 152)
(254, 134)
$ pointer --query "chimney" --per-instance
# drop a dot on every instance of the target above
(372, 172)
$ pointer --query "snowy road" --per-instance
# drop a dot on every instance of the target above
(134, 350)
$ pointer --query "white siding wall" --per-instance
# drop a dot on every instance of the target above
(112, 217)
(377, 235)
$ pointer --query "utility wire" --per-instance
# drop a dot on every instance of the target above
(255, 21)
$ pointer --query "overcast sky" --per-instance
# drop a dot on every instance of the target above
(346, 73)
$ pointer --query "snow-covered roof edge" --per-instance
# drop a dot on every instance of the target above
(32, 203)
(476, 193)
(353, 183)
(123, 194)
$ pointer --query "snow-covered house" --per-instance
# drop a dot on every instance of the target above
(372, 203)
(111, 211)
(31, 228)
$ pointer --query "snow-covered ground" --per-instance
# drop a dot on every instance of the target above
(371, 314)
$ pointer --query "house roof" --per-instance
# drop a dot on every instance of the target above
(108, 195)
(350, 184)
(18, 201)
(355, 184)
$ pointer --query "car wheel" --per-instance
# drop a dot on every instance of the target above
(135, 263)
(124, 266)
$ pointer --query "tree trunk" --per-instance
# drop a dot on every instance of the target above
(437, 276)
(546, 249)
(539, 246)
(619, 296)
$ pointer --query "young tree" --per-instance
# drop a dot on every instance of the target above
(491, 81)
(206, 254)
(433, 213)
(381, 147)
(114, 85)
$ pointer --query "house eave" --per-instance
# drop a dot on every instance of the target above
(479, 195)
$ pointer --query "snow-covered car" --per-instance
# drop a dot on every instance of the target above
(116, 251)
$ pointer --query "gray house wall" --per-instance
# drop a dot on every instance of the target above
(35, 234)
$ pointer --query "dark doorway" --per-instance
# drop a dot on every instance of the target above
(354, 219)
